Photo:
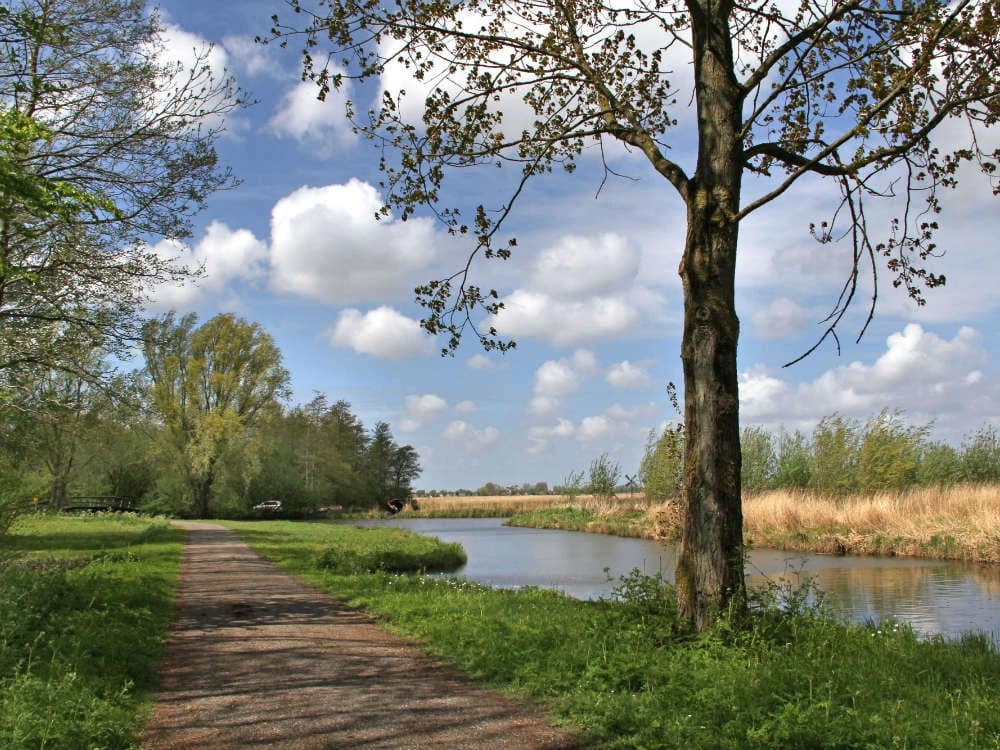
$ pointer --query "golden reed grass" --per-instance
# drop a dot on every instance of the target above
(959, 522)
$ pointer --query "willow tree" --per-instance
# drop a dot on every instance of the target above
(849, 91)
(210, 386)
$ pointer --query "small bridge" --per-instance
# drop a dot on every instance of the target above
(99, 503)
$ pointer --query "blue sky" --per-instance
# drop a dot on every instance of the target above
(592, 292)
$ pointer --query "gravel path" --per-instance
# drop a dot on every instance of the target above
(258, 659)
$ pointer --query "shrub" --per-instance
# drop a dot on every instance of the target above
(604, 476)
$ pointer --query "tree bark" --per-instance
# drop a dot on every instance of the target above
(201, 492)
(710, 567)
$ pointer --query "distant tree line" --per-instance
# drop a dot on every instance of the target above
(840, 456)
(201, 430)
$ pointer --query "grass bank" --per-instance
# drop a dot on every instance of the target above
(627, 675)
(482, 506)
(949, 523)
(85, 605)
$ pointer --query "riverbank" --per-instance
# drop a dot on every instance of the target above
(626, 673)
(950, 523)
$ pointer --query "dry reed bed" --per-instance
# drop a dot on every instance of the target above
(956, 523)
(961, 522)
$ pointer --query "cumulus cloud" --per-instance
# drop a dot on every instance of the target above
(540, 436)
(529, 314)
(468, 437)
(322, 125)
(628, 376)
(616, 420)
(580, 289)
(223, 254)
(592, 428)
(558, 378)
(326, 244)
(465, 407)
(928, 376)
(382, 332)
(421, 410)
(584, 267)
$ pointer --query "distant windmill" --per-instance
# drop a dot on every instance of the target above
(630, 483)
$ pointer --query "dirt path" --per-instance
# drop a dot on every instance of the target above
(258, 659)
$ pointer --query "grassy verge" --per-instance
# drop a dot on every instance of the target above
(628, 676)
(952, 523)
(84, 609)
(625, 522)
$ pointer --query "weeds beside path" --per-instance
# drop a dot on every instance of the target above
(257, 658)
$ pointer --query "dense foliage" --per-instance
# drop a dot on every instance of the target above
(842, 455)
(202, 431)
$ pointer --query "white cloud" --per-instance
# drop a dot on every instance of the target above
(580, 289)
(480, 362)
(251, 58)
(382, 332)
(558, 378)
(224, 255)
(323, 125)
(326, 244)
(540, 436)
(585, 267)
(421, 410)
(782, 317)
(585, 362)
(469, 438)
(627, 376)
(927, 376)
(465, 407)
(530, 314)
(592, 428)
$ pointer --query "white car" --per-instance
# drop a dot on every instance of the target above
(268, 506)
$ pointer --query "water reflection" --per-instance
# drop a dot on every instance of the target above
(947, 598)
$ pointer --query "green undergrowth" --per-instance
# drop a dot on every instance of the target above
(346, 549)
(85, 605)
(626, 674)
(627, 523)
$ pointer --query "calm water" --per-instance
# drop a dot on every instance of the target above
(935, 597)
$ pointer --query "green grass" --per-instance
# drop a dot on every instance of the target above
(84, 609)
(627, 675)
(627, 523)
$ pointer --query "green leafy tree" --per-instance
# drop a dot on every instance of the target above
(211, 386)
(404, 469)
(603, 477)
(890, 451)
(759, 459)
(662, 467)
(835, 445)
(981, 455)
(847, 93)
(793, 462)
(105, 147)
(940, 464)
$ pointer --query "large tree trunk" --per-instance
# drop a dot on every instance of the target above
(710, 567)
(201, 493)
